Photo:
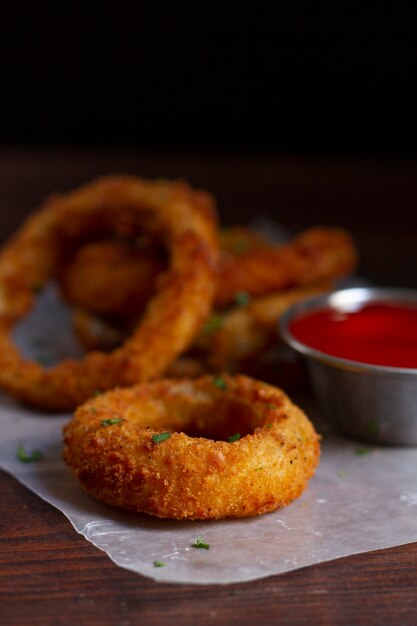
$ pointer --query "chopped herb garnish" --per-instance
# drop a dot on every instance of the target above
(28, 457)
(161, 437)
(268, 425)
(159, 564)
(212, 324)
(242, 298)
(93, 409)
(373, 427)
(109, 422)
(42, 359)
(98, 393)
(220, 383)
(234, 437)
(240, 246)
(362, 451)
(199, 543)
(270, 406)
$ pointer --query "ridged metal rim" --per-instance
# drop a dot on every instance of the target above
(344, 300)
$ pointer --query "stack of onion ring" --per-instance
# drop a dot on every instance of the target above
(227, 341)
(203, 449)
(258, 276)
(107, 278)
(140, 263)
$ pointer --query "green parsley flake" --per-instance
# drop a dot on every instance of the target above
(212, 325)
(220, 383)
(98, 393)
(159, 564)
(199, 543)
(242, 298)
(161, 437)
(234, 437)
(43, 360)
(362, 451)
(373, 427)
(111, 421)
(241, 247)
(28, 457)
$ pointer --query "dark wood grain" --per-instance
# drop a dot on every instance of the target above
(49, 574)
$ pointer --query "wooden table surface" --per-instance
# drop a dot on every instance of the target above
(49, 573)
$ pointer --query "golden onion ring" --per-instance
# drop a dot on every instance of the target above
(162, 448)
(318, 254)
(183, 219)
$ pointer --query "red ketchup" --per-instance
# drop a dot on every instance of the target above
(377, 334)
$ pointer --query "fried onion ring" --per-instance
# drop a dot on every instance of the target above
(243, 332)
(162, 448)
(317, 254)
(115, 278)
(183, 219)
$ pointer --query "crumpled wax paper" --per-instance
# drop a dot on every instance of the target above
(362, 498)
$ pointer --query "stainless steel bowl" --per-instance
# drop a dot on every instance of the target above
(373, 403)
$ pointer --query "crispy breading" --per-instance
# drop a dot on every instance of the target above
(162, 448)
(226, 341)
(116, 278)
(107, 278)
(183, 219)
(318, 254)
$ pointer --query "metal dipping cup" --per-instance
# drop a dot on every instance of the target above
(373, 403)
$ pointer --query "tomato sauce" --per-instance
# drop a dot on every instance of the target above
(377, 334)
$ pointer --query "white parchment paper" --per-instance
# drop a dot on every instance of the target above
(362, 498)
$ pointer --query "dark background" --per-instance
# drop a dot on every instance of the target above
(235, 76)
(305, 113)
